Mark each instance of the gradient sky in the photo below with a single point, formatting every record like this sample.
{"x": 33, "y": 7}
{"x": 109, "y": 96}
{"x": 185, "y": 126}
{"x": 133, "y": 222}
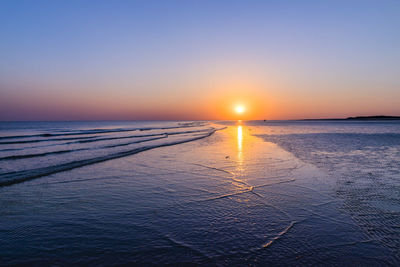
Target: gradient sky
{"x": 82, "y": 60}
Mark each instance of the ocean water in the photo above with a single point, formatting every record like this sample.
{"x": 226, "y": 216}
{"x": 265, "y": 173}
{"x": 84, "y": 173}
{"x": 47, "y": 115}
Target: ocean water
{"x": 200, "y": 193}
{"x": 32, "y": 150}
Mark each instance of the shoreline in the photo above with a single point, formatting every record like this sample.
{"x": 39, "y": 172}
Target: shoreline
{"x": 228, "y": 199}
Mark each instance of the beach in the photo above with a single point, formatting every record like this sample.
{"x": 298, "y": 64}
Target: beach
{"x": 239, "y": 196}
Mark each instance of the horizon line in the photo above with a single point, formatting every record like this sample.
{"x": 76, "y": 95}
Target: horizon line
{"x": 372, "y": 117}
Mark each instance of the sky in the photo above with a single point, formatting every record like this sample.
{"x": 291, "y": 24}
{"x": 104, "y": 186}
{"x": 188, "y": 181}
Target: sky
{"x": 198, "y": 60}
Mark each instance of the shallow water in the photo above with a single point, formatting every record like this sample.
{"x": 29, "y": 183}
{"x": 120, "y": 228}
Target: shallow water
{"x": 364, "y": 160}
{"x": 35, "y": 152}
{"x": 228, "y": 197}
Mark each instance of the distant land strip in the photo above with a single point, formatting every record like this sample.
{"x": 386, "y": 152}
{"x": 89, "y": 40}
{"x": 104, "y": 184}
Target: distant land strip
{"x": 360, "y": 118}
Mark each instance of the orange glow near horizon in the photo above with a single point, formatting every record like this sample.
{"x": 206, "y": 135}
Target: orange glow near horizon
{"x": 214, "y": 63}
{"x": 227, "y": 97}
{"x": 246, "y": 108}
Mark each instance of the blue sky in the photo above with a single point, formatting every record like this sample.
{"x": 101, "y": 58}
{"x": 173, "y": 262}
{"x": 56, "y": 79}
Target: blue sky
{"x": 163, "y": 59}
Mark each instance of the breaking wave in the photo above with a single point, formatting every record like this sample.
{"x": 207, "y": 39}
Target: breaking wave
{"x": 66, "y": 150}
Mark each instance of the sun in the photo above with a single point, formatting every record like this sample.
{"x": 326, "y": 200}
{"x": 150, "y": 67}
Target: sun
{"x": 239, "y": 109}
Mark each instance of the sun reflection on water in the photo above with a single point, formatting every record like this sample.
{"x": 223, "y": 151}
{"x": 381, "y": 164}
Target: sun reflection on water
{"x": 240, "y": 144}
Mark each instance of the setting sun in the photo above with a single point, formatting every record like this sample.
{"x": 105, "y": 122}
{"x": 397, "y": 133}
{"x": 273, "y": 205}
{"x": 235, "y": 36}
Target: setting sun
{"x": 239, "y": 109}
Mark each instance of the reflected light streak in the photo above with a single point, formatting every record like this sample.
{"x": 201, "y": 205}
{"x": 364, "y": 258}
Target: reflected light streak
{"x": 240, "y": 143}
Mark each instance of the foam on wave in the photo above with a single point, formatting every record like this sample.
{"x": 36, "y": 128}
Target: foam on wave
{"x": 13, "y": 164}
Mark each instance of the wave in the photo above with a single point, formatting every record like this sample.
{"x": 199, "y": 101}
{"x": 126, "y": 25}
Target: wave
{"x": 136, "y": 136}
{"x": 14, "y": 177}
{"x": 44, "y": 140}
{"x": 102, "y": 131}
{"x": 89, "y": 139}
{"x": 15, "y": 157}
{"x": 79, "y": 142}
{"x": 93, "y": 139}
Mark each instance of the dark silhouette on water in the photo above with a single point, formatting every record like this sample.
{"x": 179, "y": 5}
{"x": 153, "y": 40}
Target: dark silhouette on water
{"x": 360, "y": 118}
{"x": 380, "y": 117}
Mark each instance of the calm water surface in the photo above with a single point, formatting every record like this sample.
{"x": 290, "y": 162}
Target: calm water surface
{"x": 254, "y": 193}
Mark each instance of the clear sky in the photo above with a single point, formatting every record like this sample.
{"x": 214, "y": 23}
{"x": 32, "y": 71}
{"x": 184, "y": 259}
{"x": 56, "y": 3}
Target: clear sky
{"x": 69, "y": 60}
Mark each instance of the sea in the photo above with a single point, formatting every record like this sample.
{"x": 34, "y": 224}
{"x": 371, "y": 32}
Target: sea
{"x": 211, "y": 193}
